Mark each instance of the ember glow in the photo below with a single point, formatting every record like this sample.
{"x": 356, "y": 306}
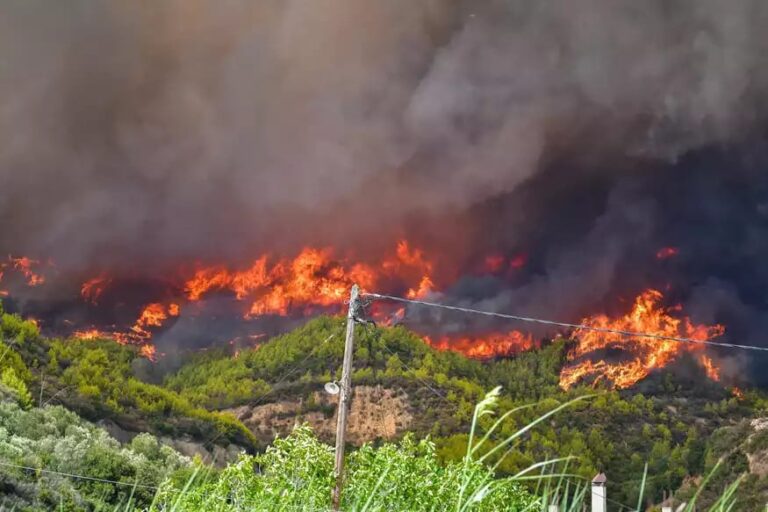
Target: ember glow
{"x": 484, "y": 347}
{"x": 641, "y": 355}
{"x": 27, "y": 267}
{"x": 667, "y": 252}
{"x": 92, "y": 289}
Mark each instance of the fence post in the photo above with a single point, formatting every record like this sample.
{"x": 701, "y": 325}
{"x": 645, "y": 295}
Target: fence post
{"x": 599, "y": 494}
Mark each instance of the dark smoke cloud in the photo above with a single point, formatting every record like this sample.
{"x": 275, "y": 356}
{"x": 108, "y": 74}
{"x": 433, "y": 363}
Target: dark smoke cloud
{"x": 157, "y": 131}
{"x": 137, "y": 135}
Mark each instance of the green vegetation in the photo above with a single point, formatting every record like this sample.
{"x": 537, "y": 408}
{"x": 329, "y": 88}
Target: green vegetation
{"x": 296, "y": 473}
{"x": 101, "y": 372}
{"x": 52, "y": 441}
{"x": 668, "y": 426}
{"x": 678, "y": 425}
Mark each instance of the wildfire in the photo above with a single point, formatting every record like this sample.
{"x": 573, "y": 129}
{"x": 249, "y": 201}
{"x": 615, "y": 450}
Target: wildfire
{"x": 425, "y": 286}
{"x": 667, "y": 252}
{"x": 148, "y": 351}
{"x": 712, "y": 371}
{"x": 153, "y": 315}
{"x": 314, "y": 278}
{"x": 25, "y": 266}
{"x": 485, "y": 347}
{"x": 648, "y": 316}
{"x": 90, "y": 334}
{"x": 496, "y": 263}
{"x": 92, "y": 289}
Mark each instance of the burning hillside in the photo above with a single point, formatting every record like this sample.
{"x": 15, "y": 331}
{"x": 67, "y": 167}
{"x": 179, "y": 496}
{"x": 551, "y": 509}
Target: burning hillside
{"x": 640, "y": 355}
{"x": 315, "y": 281}
{"x": 233, "y": 167}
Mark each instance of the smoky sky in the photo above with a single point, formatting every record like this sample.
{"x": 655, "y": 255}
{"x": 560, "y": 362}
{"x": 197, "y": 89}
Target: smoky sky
{"x": 162, "y": 131}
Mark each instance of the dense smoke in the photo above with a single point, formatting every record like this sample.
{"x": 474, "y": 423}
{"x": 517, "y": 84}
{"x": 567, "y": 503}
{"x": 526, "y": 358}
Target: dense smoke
{"x": 137, "y": 135}
{"x": 145, "y": 131}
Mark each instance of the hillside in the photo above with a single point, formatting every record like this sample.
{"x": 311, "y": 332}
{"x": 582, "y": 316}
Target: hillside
{"x": 667, "y": 420}
{"x": 217, "y": 405}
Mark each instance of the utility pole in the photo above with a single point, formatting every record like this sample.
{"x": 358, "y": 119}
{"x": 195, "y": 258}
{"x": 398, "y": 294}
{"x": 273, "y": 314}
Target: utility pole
{"x": 344, "y": 394}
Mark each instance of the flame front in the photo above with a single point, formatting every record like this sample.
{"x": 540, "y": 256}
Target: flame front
{"x": 318, "y": 280}
{"x": 314, "y": 278}
{"x": 484, "y": 347}
{"x": 647, "y": 353}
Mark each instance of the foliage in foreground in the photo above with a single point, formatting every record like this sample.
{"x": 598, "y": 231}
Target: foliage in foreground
{"x": 53, "y": 440}
{"x": 296, "y": 473}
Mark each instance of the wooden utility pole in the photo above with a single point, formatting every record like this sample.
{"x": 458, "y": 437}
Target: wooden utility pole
{"x": 344, "y": 395}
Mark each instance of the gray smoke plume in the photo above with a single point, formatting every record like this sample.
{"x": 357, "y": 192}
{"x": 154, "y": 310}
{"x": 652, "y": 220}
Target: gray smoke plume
{"x": 152, "y": 132}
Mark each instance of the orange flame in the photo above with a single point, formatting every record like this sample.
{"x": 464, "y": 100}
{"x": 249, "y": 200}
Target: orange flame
{"x": 25, "y": 266}
{"x": 153, "y": 315}
{"x": 425, "y": 286}
{"x": 312, "y": 278}
{"x": 148, "y": 351}
{"x": 648, "y": 316}
{"x": 712, "y": 371}
{"x": 91, "y": 334}
{"x": 92, "y": 289}
{"x": 484, "y": 347}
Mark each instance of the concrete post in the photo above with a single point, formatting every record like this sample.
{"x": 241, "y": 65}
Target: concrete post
{"x": 599, "y": 494}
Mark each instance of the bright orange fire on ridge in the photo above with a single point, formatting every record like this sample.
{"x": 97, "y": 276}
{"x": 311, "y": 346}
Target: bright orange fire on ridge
{"x": 316, "y": 279}
{"x": 648, "y": 316}
{"x": 312, "y": 279}
{"x": 152, "y": 316}
{"x": 276, "y": 286}
{"x": 484, "y": 347}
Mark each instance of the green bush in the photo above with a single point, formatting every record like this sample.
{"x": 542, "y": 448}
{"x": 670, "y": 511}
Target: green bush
{"x": 57, "y": 443}
{"x": 296, "y": 473}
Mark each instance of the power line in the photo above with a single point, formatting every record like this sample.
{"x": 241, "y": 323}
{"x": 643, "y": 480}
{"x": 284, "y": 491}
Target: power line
{"x": 605, "y": 330}
{"x": 82, "y": 477}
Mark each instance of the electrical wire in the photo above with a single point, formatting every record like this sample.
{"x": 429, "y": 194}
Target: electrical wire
{"x": 82, "y": 477}
{"x": 605, "y": 330}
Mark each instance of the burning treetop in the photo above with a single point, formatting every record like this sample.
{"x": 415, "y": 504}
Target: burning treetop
{"x": 317, "y": 281}
{"x": 647, "y": 316}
